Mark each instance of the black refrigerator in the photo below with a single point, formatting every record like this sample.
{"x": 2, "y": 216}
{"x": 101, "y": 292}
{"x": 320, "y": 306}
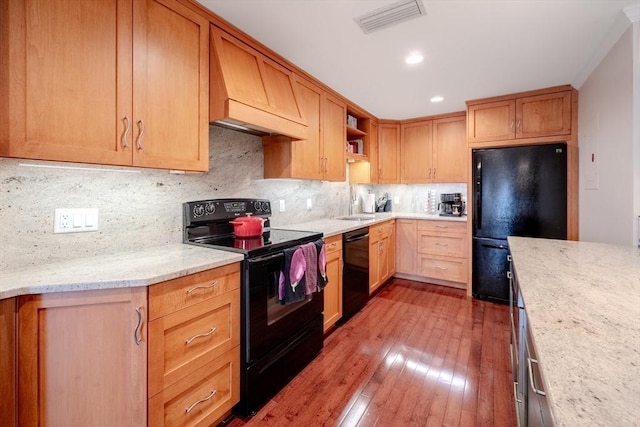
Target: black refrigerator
{"x": 517, "y": 191}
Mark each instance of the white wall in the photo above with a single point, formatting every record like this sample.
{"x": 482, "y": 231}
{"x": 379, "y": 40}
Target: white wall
{"x": 606, "y": 129}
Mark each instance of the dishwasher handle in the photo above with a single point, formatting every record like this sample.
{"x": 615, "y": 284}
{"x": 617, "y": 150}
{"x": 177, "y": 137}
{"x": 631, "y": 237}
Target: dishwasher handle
{"x": 356, "y": 238}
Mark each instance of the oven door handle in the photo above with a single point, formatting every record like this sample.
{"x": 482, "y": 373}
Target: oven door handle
{"x": 266, "y": 258}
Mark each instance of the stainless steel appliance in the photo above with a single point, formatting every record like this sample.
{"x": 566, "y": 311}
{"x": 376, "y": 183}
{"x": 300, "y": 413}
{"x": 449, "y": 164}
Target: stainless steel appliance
{"x": 355, "y": 274}
{"x": 277, "y": 341}
{"x": 451, "y": 204}
{"x": 517, "y": 191}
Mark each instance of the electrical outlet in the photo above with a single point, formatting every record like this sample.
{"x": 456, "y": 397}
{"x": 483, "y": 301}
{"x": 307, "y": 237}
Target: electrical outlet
{"x": 282, "y": 206}
{"x": 309, "y": 204}
{"x": 75, "y": 220}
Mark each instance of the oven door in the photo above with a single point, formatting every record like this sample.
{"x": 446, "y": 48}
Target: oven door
{"x": 269, "y": 324}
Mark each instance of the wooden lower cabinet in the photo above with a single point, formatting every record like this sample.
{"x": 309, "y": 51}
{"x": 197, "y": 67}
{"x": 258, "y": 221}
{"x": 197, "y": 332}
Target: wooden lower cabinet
{"x": 382, "y": 262}
{"x": 8, "y": 368}
{"x": 194, "y": 348}
{"x": 82, "y": 358}
{"x": 333, "y": 290}
{"x": 433, "y": 251}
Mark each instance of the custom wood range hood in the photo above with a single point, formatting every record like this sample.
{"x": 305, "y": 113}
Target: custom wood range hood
{"x": 249, "y": 90}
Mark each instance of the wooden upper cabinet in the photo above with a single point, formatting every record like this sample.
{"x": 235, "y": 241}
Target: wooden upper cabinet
{"x": 250, "y": 88}
{"x": 69, "y": 85}
{"x": 537, "y": 114}
{"x": 334, "y": 114}
{"x": 543, "y": 115}
{"x": 306, "y": 162}
{"x": 170, "y": 86}
{"x": 450, "y": 152}
{"x": 87, "y": 85}
{"x": 493, "y": 121}
{"x": 415, "y": 152}
{"x": 388, "y": 153}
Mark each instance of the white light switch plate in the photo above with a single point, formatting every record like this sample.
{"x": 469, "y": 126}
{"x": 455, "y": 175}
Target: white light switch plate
{"x": 75, "y": 220}
{"x": 281, "y": 205}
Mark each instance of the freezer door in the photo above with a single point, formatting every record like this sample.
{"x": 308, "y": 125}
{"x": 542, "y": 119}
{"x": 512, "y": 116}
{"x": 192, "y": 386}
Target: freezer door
{"x": 490, "y": 266}
{"x": 520, "y": 191}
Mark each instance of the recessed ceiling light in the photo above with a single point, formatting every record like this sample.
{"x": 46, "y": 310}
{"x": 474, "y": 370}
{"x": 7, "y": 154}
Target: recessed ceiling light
{"x": 437, "y": 99}
{"x": 414, "y": 58}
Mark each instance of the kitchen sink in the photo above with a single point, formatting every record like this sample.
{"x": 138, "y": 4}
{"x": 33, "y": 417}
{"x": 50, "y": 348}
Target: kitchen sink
{"x": 357, "y": 217}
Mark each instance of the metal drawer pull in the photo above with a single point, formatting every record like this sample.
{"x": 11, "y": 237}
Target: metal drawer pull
{"x": 194, "y": 404}
{"x": 441, "y": 244}
{"x": 137, "y": 333}
{"x": 195, "y": 288}
{"x": 441, "y": 226}
{"x": 533, "y": 381}
{"x": 441, "y": 268}
{"x": 139, "y": 140}
{"x": 515, "y": 393}
{"x": 206, "y": 334}
{"x": 125, "y": 135}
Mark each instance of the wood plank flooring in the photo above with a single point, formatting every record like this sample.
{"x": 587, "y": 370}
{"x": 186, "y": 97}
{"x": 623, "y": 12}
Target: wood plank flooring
{"x": 416, "y": 355}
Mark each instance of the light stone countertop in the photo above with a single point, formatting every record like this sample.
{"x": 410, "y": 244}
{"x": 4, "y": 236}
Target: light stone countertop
{"x": 334, "y": 226}
{"x": 583, "y": 304}
{"x": 125, "y": 269}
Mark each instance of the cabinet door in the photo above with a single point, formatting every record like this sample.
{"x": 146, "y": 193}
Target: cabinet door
{"x": 373, "y": 152}
{"x": 415, "y": 152}
{"x": 170, "y": 86}
{"x": 306, "y": 158}
{"x": 391, "y": 257}
{"x": 8, "y": 362}
{"x": 450, "y": 152}
{"x": 388, "y": 153}
{"x": 68, "y": 93}
{"x": 492, "y": 121}
{"x": 334, "y": 115}
{"x": 82, "y": 358}
{"x": 374, "y": 264}
{"x": 333, "y": 290}
{"x": 406, "y": 246}
{"x": 543, "y": 115}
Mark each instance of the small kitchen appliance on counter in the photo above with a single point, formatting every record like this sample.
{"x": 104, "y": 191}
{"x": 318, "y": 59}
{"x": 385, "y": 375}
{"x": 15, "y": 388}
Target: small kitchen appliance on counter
{"x": 451, "y": 204}
{"x": 277, "y": 341}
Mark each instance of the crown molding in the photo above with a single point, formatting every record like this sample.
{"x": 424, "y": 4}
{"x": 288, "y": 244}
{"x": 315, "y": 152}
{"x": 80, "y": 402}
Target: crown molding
{"x": 633, "y": 13}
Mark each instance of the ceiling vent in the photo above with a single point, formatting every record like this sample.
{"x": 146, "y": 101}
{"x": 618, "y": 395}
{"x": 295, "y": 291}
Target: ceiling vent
{"x": 392, "y": 14}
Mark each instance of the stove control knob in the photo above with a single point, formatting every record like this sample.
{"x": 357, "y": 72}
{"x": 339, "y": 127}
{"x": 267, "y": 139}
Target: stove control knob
{"x": 265, "y": 207}
{"x": 209, "y": 208}
{"x": 198, "y": 210}
{"x": 257, "y": 206}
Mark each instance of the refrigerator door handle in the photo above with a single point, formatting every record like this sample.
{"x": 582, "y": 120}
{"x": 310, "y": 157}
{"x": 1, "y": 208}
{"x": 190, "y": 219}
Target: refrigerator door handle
{"x": 478, "y": 205}
{"x": 495, "y": 246}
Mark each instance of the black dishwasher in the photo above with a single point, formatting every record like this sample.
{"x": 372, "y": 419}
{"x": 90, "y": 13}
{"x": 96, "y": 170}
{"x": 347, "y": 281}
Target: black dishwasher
{"x": 355, "y": 275}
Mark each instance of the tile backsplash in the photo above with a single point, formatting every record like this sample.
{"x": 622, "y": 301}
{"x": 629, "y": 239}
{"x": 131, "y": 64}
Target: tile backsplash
{"x": 140, "y": 208}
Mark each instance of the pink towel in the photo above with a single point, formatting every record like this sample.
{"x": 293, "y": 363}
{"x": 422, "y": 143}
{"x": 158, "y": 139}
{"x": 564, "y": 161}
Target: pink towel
{"x": 311, "y": 271}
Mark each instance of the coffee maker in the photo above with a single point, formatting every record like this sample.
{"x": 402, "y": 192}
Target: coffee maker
{"x": 451, "y": 204}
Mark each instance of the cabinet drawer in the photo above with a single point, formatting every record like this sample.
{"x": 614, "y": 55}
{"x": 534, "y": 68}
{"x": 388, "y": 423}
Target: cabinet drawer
{"x": 381, "y": 231}
{"x": 454, "y": 227}
{"x": 333, "y": 244}
{"x": 451, "y": 269}
{"x": 176, "y": 294}
{"x": 446, "y": 245}
{"x": 209, "y": 393}
{"x": 184, "y": 341}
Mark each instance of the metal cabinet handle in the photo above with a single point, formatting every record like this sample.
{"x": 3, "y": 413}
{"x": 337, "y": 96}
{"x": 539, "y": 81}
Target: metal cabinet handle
{"x": 195, "y": 337}
{"x": 195, "y": 288}
{"x": 442, "y": 244}
{"x": 518, "y": 125}
{"x": 441, "y": 268}
{"x": 434, "y": 173}
{"x": 196, "y": 403}
{"x": 515, "y": 393}
{"x": 441, "y": 226}
{"x": 137, "y": 333}
{"x": 140, "y": 135}
{"x": 513, "y": 122}
{"x": 533, "y": 381}
{"x": 125, "y": 135}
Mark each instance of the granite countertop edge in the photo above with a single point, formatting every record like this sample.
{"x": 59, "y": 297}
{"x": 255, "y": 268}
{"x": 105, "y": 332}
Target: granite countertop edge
{"x": 120, "y": 270}
{"x": 333, "y": 226}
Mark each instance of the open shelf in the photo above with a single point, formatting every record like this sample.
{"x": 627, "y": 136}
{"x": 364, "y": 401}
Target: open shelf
{"x": 354, "y": 133}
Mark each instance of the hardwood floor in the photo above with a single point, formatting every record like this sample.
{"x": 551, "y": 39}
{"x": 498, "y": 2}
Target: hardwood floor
{"x": 416, "y": 355}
